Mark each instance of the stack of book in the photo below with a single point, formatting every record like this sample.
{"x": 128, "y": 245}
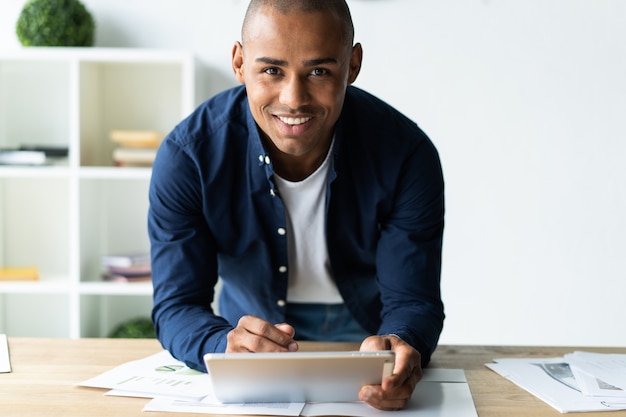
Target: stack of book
{"x": 127, "y": 267}
{"x": 19, "y": 274}
{"x": 33, "y": 155}
{"x": 135, "y": 148}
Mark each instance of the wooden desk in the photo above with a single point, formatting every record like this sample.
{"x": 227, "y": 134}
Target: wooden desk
{"x": 46, "y": 371}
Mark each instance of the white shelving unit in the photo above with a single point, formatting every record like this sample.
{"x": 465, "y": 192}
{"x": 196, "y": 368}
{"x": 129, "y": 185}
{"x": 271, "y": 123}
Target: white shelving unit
{"x": 62, "y": 219}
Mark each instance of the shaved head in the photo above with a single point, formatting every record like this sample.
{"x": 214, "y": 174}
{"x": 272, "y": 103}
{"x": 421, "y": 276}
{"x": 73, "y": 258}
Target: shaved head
{"x": 337, "y": 8}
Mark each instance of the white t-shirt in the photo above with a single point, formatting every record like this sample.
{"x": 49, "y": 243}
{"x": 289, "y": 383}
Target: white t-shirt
{"x": 310, "y": 280}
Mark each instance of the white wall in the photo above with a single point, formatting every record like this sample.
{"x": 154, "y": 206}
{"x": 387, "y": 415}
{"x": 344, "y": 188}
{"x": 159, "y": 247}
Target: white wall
{"x": 525, "y": 100}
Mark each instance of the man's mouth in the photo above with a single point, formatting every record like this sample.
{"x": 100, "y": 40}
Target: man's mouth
{"x": 293, "y": 121}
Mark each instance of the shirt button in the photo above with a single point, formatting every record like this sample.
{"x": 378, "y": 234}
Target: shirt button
{"x": 282, "y": 269}
{"x": 273, "y": 192}
{"x": 281, "y": 303}
{"x": 281, "y": 231}
{"x": 261, "y": 158}
{"x": 267, "y": 160}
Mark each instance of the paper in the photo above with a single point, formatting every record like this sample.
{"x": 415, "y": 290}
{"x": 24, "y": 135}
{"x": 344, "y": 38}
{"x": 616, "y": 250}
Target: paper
{"x": 5, "y": 363}
{"x": 553, "y": 381}
{"x": 156, "y": 375}
{"x": 442, "y": 392}
{"x": 430, "y": 399}
{"x": 174, "y": 387}
{"x": 209, "y": 407}
{"x": 610, "y": 369}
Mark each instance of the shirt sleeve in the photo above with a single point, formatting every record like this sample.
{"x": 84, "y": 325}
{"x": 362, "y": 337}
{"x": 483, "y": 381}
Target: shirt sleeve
{"x": 184, "y": 260}
{"x": 408, "y": 256}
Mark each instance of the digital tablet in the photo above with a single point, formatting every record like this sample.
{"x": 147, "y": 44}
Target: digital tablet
{"x": 295, "y": 376}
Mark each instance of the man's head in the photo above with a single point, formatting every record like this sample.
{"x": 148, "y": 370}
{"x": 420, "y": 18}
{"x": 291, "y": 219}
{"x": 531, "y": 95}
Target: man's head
{"x": 296, "y": 60}
{"x": 338, "y": 8}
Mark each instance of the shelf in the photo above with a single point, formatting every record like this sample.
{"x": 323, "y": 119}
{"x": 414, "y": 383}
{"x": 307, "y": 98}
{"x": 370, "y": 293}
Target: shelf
{"x": 57, "y": 286}
{"x": 44, "y": 172}
{"x": 63, "y": 218}
{"x": 116, "y": 288}
{"x": 115, "y": 173}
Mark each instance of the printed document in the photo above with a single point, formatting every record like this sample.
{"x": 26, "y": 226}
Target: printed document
{"x": 564, "y": 386}
{"x": 442, "y": 392}
{"x": 173, "y": 387}
{"x": 5, "y": 363}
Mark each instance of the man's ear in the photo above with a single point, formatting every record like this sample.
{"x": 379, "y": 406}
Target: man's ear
{"x": 237, "y": 61}
{"x": 355, "y": 62}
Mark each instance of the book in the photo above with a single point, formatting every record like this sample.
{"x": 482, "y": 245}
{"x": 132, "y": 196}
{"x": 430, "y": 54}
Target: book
{"x": 130, "y": 271}
{"x": 126, "y": 260}
{"x": 19, "y": 274}
{"x": 135, "y": 157}
{"x": 51, "y": 151}
{"x": 123, "y": 278}
{"x": 18, "y": 157}
{"x": 146, "y": 139}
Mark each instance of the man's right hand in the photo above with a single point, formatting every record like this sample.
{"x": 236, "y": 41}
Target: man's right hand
{"x": 254, "y": 334}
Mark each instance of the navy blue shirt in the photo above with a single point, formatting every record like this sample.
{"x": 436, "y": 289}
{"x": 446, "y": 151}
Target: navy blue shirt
{"x": 216, "y": 211}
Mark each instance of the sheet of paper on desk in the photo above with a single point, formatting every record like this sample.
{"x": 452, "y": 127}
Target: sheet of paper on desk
{"x": 208, "y": 406}
{"x": 5, "y": 363}
{"x": 610, "y": 368}
{"x": 551, "y": 380}
{"x": 442, "y": 392}
{"x": 156, "y": 375}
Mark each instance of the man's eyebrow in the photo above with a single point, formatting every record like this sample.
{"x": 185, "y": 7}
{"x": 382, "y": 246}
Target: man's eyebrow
{"x": 319, "y": 61}
{"x": 271, "y": 61}
{"x": 307, "y": 63}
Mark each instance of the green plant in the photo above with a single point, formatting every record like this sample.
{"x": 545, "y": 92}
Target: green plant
{"x": 55, "y": 23}
{"x": 139, "y": 328}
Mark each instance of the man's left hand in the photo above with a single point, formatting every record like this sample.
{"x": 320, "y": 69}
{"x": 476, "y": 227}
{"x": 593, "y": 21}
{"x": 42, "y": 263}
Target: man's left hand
{"x": 396, "y": 390}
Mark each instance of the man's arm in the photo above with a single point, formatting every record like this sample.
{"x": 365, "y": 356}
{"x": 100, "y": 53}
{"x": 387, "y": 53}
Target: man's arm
{"x": 408, "y": 256}
{"x": 184, "y": 261}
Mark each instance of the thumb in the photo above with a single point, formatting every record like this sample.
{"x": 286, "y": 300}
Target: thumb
{"x": 286, "y": 328}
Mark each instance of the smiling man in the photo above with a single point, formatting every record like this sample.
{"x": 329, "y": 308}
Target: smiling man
{"x": 320, "y": 207}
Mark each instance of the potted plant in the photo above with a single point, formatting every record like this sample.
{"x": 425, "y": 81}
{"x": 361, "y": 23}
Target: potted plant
{"x": 55, "y": 23}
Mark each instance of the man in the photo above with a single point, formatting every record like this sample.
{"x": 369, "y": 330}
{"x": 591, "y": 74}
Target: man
{"x": 318, "y": 205}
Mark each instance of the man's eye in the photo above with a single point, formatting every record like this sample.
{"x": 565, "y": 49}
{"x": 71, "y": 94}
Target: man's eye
{"x": 271, "y": 71}
{"x": 319, "y": 71}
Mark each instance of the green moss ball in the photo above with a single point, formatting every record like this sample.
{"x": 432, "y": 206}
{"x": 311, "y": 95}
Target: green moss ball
{"x": 55, "y": 23}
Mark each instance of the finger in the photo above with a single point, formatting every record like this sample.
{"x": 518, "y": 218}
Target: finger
{"x": 377, "y": 398}
{"x": 373, "y": 343}
{"x": 254, "y": 334}
{"x": 286, "y": 328}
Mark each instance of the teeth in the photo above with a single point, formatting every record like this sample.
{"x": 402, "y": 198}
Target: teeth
{"x": 294, "y": 120}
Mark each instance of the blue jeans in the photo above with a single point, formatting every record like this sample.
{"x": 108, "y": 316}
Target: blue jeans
{"x": 324, "y": 322}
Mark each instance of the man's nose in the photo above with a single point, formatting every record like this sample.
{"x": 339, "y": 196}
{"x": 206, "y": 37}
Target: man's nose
{"x": 295, "y": 93}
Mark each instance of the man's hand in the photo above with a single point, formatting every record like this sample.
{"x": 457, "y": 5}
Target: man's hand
{"x": 254, "y": 334}
{"x": 395, "y": 390}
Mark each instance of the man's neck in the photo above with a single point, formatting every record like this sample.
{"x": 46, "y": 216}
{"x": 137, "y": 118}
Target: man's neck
{"x": 296, "y": 168}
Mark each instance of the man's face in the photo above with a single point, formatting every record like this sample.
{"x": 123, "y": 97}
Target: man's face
{"x": 296, "y": 68}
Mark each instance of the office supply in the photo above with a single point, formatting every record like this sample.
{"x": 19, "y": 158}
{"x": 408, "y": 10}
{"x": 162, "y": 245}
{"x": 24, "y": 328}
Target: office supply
{"x": 552, "y": 380}
{"x": 295, "y": 376}
{"x": 442, "y": 392}
{"x": 46, "y": 371}
{"x": 5, "y": 362}
{"x": 158, "y": 374}
{"x": 610, "y": 368}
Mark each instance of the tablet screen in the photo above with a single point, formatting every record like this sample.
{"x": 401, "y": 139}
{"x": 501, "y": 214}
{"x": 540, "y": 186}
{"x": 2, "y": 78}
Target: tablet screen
{"x": 295, "y": 376}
